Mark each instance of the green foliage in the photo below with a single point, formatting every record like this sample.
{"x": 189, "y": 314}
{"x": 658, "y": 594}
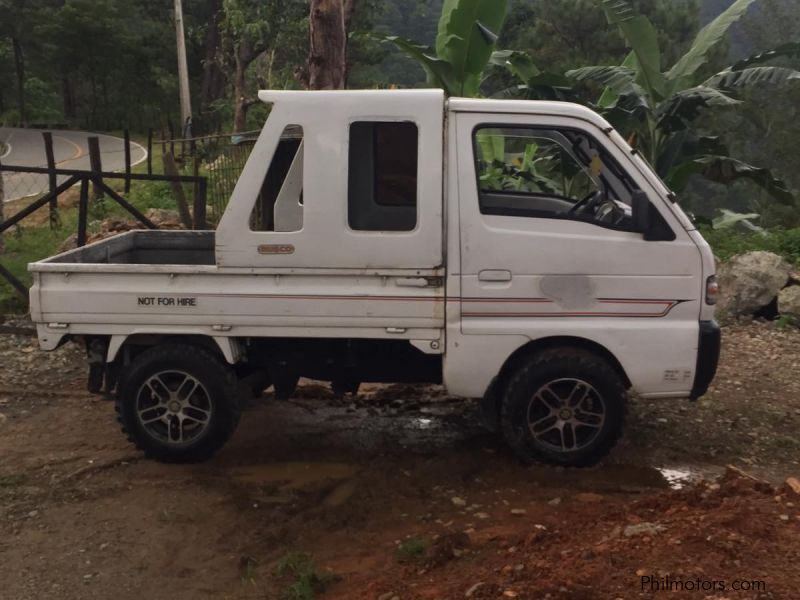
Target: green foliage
{"x": 788, "y": 322}
{"x": 411, "y": 549}
{"x": 729, "y": 242}
{"x": 12, "y": 480}
{"x": 465, "y": 40}
{"x": 660, "y": 115}
{"x": 307, "y": 582}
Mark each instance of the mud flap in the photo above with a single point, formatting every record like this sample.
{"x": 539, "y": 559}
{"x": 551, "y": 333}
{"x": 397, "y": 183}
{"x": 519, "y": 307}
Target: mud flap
{"x": 490, "y": 407}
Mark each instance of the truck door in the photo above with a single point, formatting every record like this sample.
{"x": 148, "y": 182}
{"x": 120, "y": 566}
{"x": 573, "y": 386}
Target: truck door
{"x": 548, "y": 247}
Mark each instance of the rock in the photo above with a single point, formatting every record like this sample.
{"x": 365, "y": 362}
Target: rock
{"x": 471, "y": 591}
{"x": 789, "y": 301}
{"x": 518, "y": 511}
{"x": 793, "y": 484}
{"x": 458, "y": 501}
{"x": 588, "y": 497}
{"x": 482, "y": 515}
{"x": 3, "y": 419}
{"x": 163, "y": 218}
{"x": 643, "y": 529}
{"x": 750, "y": 281}
{"x": 555, "y": 502}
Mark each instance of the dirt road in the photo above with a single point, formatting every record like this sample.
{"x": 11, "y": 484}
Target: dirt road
{"x": 399, "y": 494}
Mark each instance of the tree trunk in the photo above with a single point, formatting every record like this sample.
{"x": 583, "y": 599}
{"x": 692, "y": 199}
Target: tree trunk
{"x": 241, "y": 104}
{"x": 213, "y": 85}
{"x": 19, "y": 65}
{"x": 67, "y": 97}
{"x": 327, "y": 59}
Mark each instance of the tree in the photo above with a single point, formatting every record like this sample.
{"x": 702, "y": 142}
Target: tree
{"x": 17, "y": 27}
{"x": 659, "y": 110}
{"x": 765, "y": 127}
{"x": 465, "y": 40}
{"x": 329, "y": 24}
{"x": 565, "y": 34}
{"x": 251, "y": 29}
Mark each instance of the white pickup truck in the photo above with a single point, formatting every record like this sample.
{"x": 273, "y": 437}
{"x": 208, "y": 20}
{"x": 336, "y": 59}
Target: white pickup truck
{"x": 520, "y": 252}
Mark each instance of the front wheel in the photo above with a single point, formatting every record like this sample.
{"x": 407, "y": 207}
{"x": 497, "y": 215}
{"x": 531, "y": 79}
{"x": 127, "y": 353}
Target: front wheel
{"x": 177, "y": 403}
{"x": 564, "y": 406}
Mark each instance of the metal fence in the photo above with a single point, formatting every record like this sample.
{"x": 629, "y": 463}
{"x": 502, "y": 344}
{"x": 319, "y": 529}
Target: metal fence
{"x": 219, "y": 158}
{"x": 49, "y": 182}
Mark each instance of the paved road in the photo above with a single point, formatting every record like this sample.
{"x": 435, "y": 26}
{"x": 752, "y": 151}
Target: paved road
{"x": 25, "y": 147}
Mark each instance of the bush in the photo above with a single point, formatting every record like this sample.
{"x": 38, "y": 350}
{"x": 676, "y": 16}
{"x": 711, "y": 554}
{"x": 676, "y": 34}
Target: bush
{"x": 727, "y": 243}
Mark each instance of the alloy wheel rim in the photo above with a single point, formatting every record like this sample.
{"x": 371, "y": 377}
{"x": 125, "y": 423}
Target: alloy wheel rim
{"x": 566, "y": 415}
{"x": 173, "y": 407}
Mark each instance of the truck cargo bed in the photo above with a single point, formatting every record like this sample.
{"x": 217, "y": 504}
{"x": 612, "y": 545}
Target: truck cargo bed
{"x": 145, "y": 248}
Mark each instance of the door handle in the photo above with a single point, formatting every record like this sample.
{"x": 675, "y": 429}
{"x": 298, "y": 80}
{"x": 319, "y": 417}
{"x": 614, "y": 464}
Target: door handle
{"x": 494, "y": 275}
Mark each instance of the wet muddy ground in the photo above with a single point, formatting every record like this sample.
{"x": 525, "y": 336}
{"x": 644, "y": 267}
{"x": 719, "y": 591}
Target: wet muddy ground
{"x": 399, "y": 494}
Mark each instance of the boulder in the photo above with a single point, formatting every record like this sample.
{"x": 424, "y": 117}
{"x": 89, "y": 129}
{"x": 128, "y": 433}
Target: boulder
{"x": 750, "y": 281}
{"x": 789, "y": 301}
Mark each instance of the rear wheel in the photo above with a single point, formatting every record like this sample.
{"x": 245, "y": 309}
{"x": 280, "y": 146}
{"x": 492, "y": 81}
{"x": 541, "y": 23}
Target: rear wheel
{"x": 565, "y": 406}
{"x": 177, "y": 403}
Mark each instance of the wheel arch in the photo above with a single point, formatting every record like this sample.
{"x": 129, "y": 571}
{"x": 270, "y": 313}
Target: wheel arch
{"x": 230, "y": 349}
{"x": 548, "y": 343}
{"x": 490, "y": 403}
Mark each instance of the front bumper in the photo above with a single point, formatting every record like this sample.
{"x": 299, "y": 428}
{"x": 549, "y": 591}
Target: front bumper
{"x": 707, "y": 357}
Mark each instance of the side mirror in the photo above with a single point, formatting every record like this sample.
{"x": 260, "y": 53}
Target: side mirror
{"x": 648, "y": 221}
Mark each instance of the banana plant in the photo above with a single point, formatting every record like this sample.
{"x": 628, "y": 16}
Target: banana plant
{"x": 658, "y": 108}
{"x": 465, "y": 41}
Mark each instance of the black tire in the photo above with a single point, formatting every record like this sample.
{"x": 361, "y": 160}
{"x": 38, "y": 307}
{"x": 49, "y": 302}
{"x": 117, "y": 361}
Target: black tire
{"x": 550, "y": 406}
{"x": 152, "y": 387}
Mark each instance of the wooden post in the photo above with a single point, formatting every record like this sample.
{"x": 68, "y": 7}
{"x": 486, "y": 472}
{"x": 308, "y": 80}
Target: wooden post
{"x": 51, "y": 165}
{"x": 83, "y": 211}
{"x": 96, "y": 164}
{"x": 200, "y": 205}
{"x": 150, "y": 151}
{"x": 127, "y": 138}
{"x": 171, "y": 169}
{"x": 196, "y": 190}
{"x": 171, "y": 136}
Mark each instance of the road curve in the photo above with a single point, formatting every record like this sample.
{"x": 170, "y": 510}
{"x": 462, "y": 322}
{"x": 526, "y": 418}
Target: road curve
{"x": 25, "y": 147}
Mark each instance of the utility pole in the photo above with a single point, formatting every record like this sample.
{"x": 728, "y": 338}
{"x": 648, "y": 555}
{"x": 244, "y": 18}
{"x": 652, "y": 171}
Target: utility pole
{"x": 183, "y": 74}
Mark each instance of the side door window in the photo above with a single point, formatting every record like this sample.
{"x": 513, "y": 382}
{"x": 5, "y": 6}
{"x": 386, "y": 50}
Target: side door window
{"x": 549, "y": 173}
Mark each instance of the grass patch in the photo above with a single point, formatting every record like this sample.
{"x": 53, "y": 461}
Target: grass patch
{"x": 12, "y": 480}
{"x": 411, "y": 549}
{"x": 727, "y": 243}
{"x": 307, "y": 582}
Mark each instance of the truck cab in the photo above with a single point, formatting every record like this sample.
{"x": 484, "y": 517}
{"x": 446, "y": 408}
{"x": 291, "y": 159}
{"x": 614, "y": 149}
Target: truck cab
{"x": 519, "y": 252}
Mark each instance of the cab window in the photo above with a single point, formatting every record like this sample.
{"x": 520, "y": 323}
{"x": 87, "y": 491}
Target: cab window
{"x": 550, "y": 173}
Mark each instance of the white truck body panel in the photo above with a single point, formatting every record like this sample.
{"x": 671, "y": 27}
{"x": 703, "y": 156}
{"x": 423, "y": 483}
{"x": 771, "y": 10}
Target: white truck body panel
{"x": 475, "y": 287}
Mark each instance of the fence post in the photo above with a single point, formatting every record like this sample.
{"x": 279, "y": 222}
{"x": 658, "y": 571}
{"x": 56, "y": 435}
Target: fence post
{"x": 51, "y": 165}
{"x": 200, "y": 204}
{"x": 171, "y": 169}
{"x": 83, "y": 211}
{"x": 127, "y": 137}
{"x": 171, "y": 137}
{"x": 150, "y": 151}
{"x": 95, "y": 165}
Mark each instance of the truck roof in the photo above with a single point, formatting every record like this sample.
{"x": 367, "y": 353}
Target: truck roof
{"x": 317, "y": 100}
